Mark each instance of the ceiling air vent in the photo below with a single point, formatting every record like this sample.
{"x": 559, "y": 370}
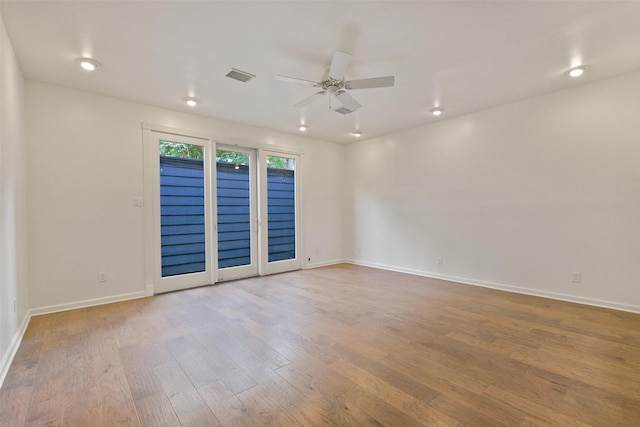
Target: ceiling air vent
{"x": 343, "y": 110}
{"x": 240, "y": 75}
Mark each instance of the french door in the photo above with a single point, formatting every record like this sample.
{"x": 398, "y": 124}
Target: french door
{"x": 179, "y": 211}
{"x": 216, "y": 213}
{"x": 279, "y": 213}
{"x": 257, "y": 213}
{"x": 237, "y": 212}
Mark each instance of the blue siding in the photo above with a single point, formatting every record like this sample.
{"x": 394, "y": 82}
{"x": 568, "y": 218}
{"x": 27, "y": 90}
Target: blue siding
{"x": 281, "y": 214}
{"x": 234, "y": 220}
{"x": 183, "y": 221}
{"x": 182, "y": 227}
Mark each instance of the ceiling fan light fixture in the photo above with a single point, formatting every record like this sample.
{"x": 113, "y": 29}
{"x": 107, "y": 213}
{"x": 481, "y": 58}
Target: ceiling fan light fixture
{"x": 336, "y": 86}
{"x": 303, "y": 128}
{"x": 576, "y": 71}
{"x": 191, "y": 102}
{"x": 357, "y": 134}
{"x": 87, "y": 64}
{"x": 437, "y": 111}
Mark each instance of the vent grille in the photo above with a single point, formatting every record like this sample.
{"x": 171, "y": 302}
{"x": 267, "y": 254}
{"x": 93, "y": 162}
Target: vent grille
{"x": 343, "y": 110}
{"x": 241, "y": 76}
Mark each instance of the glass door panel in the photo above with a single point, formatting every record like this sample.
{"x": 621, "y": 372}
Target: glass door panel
{"x": 281, "y": 208}
{"x": 279, "y": 213}
{"x": 236, "y": 217}
{"x": 182, "y": 209}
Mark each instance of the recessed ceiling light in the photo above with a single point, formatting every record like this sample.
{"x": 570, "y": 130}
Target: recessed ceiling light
{"x": 357, "y": 134}
{"x": 303, "y": 127}
{"x": 87, "y": 63}
{"x": 191, "y": 102}
{"x": 576, "y": 71}
{"x": 436, "y": 111}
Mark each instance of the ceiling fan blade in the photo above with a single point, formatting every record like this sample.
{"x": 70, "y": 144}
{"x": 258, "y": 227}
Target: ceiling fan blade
{"x": 386, "y": 81}
{"x": 339, "y": 64}
{"x": 310, "y": 99}
{"x": 347, "y": 100}
{"x": 298, "y": 81}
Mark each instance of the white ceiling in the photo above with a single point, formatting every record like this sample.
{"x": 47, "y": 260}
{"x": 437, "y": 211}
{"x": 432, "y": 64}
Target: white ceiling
{"x": 465, "y": 56}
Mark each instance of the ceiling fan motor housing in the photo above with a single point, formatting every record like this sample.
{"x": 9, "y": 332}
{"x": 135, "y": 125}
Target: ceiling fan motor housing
{"x": 332, "y": 85}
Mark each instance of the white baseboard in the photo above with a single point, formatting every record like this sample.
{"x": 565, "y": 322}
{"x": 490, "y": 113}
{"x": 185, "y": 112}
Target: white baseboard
{"x": 8, "y": 356}
{"x": 86, "y": 303}
{"x": 510, "y": 288}
{"x": 324, "y": 264}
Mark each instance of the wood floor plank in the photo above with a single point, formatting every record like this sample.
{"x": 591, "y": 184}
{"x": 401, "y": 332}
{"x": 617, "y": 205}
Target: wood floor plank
{"x": 392, "y": 377}
{"x": 322, "y": 389}
{"x": 308, "y": 414}
{"x": 278, "y": 388}
{"x": 156, "y": 410}
{"x": 82, "y": 407}
{"x": 370, "y": 409}
{"x": 560, "y": 415}
{"x": 14, "y": 402}
{"x": 421, "y": 366}
{"x": 26, "y": 364}
{"x": 187, "y": 403}
{"x": 262, "y": 408}
{"x": 224, "y": 365}
{"x": 224, "y": 404}
{"x": 395, "y": 397}
{"x": 142, "y": 381}
{"x": 335, "y": 346}
{"x": 192, "y": 358}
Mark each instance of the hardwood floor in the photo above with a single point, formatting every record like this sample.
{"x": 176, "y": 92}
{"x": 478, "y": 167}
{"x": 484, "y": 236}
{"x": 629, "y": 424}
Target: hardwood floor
{"x": 335, "y": 346}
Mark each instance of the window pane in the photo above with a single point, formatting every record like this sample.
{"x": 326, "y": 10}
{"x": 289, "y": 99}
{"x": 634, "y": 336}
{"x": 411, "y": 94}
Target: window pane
{"x": 182, "y": 214}
{"x": 234, "y": 208}
{"x": 281, "y": 208}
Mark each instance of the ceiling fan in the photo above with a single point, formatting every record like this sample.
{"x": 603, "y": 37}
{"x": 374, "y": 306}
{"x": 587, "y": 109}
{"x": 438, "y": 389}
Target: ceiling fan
{"x": 336, "y": 87}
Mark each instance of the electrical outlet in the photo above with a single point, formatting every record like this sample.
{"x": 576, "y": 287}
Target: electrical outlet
{"x": 576, "y": 277}
{"x": 138, "y": 202}
{"x": 439, "y": 261}
{"x": 102, "y": 277}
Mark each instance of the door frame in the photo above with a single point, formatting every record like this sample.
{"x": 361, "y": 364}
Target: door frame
{"x": 151, "y": 214}
{"x": 154, "y": 282}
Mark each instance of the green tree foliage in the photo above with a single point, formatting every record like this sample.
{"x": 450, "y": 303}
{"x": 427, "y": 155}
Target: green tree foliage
{"x": 242, "y": 159}
{"x": 189, "y": 151}
{"x": 279, "y": 162}
{"x": 185, "y": 151}
{"x": 234, "y": 157}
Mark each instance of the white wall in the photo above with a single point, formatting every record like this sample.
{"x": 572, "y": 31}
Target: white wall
{"x": 85, "y": 168}
{"x": 517, "y": 197}
{"x": 13, "y": 255}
